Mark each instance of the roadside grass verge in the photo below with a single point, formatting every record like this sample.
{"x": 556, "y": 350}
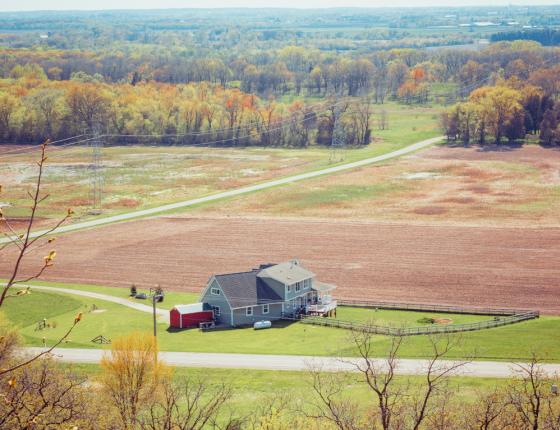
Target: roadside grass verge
{"x": 261, "y": 386}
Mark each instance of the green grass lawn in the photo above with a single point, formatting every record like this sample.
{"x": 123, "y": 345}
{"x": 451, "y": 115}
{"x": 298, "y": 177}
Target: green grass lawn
{"x": 515, "y": 342}
{"x": 256, "y": 386}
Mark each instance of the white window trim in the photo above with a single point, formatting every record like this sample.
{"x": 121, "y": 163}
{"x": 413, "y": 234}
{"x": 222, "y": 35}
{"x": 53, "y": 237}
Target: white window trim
{"x": 215, "y": 291}
{"x": 265, "y": 309}
{"x": 298, "y": 287}
{"x": 249, "y": 311}
{"x": 217, "y": 311}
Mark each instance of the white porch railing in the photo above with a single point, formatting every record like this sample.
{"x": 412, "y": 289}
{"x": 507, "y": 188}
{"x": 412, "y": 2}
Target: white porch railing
{"x": 321, "y": 308}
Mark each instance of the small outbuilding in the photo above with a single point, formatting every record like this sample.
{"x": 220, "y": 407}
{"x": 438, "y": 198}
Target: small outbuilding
{"x": 188, "y": 316}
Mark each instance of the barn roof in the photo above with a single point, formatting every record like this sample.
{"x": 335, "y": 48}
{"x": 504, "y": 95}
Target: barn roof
{"x": 246, "y": 289}
{"x": 191, "y": 308}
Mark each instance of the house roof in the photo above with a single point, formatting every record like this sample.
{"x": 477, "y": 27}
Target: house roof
{"x": 323, "y": 287}
{"x": 246, "y": 289}
{"x": 286, "y": 273}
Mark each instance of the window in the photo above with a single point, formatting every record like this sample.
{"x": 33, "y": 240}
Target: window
{"x": 265, "y": 309}
{"x": 249, "y": 311}
{"x": 215, "y": 291}
{"x": 289, "y": 287}
{"x": 298, "y": 286}
{"x": 216, "y": 310}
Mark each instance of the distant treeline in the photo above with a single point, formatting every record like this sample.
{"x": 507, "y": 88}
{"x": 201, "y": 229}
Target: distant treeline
{"x": 33, "y": 108}
{"x": 546, "y": 37}
{"x": 403, "y": 74}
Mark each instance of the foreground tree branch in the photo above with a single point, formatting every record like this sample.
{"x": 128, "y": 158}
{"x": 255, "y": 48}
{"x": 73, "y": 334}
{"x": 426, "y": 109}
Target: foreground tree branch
{"x": 25, "y": 244}
{"x": 24, "y": 241}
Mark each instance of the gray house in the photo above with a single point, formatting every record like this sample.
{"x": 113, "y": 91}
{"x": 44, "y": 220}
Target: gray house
{"x": 270, "y": 292}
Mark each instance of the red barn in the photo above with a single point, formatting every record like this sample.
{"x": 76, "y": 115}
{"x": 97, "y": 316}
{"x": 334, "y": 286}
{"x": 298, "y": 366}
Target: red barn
{"x": 186, "y": 316}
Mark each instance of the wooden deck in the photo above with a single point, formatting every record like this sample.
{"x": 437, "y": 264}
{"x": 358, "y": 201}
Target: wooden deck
{"x": 320, "y": 309}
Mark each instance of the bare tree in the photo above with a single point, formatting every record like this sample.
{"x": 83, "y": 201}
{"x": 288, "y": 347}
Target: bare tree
{"x": 435, "y": 378}
{"x": 532, "y": 399}
{"x": 487, "y": 412}
{"x": 42, "y": 396}
{"x": 362, "y": 113}
{"x": 187, "y": 405}
{"x": 332, "y": 407}
{"x": 380, "y": 376}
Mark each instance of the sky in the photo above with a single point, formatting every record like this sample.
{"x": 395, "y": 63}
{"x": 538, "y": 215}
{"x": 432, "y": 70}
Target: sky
{"x": 26, "y": 5}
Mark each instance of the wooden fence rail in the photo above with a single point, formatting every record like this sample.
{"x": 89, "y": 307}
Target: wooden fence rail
{"x": 430, "y": 308}
{"x": 501, "y": 317}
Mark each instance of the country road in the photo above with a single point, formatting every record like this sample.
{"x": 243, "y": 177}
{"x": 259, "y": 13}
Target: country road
{"x": 163, "y": 314}
{"x": 481, "y": 369}
{"x": 239, "y": 191}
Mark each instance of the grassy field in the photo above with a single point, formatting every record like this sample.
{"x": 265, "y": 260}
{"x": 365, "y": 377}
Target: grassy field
{"x": 441, "y": 185}
{"x": 258, "y": 386}
{"x": 137, "y": 177}
{"x": 516, "y": 342}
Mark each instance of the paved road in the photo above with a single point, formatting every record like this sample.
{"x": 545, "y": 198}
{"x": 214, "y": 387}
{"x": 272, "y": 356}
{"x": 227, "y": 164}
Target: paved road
{"x": 240, "y": 191}
{"x": 163, "y": 314}
{"x": 483, "y": 369}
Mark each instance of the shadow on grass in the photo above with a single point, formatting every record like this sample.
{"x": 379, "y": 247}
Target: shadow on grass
{"x": 279, "y": 324}
{"x": 494, "y": 147}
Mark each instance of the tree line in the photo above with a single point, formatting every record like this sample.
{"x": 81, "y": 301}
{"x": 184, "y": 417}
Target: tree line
{"x": 509, "y": 110}
{"x": 545, "y": 36}
{"x": 34, "y": 108}
{"x": 297, "y": 70}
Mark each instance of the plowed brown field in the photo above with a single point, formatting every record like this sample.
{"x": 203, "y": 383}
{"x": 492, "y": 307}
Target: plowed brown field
{"x": 498, "y": 267}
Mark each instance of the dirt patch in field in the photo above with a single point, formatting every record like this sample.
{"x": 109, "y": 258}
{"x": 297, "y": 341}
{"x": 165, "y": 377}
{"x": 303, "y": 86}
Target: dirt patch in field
{"x": 126, "y": 203}
{"x": 458, "y": 200}
{"x": 529, "y": 153}
{"x": 430, "y": 210}
{"x": 442, "y": 185}
{"x": 19, "y": 224}
{"x": 478, "y": 189}
{"x": 477, "y": 266}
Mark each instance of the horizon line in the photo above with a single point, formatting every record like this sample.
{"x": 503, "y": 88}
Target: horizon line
{"x": 116, "y": 9}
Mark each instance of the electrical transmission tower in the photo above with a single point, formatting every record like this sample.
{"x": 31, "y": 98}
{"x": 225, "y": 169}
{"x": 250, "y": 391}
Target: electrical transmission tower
{"x": 338, "y": 140}
{"x": 96, "y": 175}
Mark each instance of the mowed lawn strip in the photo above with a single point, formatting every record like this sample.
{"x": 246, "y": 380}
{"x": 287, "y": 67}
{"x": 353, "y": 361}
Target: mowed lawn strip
{"x": 258, "y": 386}
{"x": 515, "y": 342}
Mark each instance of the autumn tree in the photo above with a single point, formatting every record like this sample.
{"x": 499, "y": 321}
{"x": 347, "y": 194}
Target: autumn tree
{"x": 499, "y": 106}
{"x": 131, "y": 374}
{"x": 8, "y": 107}
{"x": 88, "y": 105}
{"x": 550, "y": 126}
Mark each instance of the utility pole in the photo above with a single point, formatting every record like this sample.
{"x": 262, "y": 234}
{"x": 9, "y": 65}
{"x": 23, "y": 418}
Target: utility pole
{"x": 338, "y": 139}
{"x": 96, "y": 175}
{"x": 155, "y": 299}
